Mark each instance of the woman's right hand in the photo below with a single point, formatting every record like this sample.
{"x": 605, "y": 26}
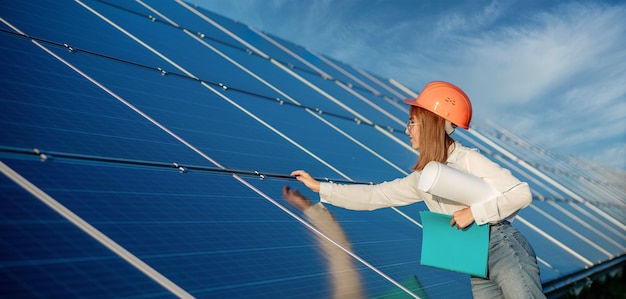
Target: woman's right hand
{"x": 307, "y": 180}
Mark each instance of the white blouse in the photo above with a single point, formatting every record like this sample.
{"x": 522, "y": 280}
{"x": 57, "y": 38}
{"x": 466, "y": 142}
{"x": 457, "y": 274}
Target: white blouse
{"x": 514, "y": 196}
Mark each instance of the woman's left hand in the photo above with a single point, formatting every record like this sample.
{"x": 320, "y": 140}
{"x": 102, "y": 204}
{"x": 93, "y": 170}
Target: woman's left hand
{"x": 462, "y": 218}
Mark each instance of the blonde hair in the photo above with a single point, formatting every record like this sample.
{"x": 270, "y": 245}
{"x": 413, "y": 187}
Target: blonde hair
{"x": 434, "y": 142}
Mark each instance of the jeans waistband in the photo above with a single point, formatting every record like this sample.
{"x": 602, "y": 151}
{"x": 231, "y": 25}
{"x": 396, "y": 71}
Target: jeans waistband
{"x": 503, "y": 222}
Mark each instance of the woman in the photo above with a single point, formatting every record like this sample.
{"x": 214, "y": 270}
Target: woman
{"x": 434, "y": 114}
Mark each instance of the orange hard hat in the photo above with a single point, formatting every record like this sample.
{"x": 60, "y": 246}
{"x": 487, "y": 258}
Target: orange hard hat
{"x": 446, "y": 100}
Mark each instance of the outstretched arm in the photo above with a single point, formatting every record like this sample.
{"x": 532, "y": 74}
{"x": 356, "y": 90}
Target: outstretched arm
{"x": 398, "y": 192}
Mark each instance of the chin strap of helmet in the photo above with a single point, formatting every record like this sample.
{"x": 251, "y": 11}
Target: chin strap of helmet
{"x": 449, "y": 127}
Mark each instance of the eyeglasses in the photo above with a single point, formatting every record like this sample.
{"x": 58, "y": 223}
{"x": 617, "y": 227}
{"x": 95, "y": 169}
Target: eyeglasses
{"x": 410, "y": 125}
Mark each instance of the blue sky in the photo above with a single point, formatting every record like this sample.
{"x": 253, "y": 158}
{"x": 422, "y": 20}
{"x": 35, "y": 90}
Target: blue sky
{"x": 553, "y": 72}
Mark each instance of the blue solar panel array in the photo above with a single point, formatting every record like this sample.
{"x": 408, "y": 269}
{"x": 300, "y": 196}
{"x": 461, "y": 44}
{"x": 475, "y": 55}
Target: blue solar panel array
{"x": 144, "y": 146}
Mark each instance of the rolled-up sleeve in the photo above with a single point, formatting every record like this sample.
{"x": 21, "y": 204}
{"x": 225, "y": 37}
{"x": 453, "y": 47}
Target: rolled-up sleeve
{"x": 399, "y": 192}
{"x": 514, "y": 194}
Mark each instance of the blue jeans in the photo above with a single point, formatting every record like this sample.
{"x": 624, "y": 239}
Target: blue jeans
{"x": 512, "y": 267}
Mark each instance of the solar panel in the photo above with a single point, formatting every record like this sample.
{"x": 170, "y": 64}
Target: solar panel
{"x": 144, "y": 147}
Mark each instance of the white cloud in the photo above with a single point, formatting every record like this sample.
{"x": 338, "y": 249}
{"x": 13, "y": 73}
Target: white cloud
{"x": 557, "y": 79}
{"x": 461, "y": 21}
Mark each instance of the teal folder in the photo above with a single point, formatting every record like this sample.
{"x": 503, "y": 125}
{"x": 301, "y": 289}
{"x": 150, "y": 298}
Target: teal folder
{"x": 460, "y": 250}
